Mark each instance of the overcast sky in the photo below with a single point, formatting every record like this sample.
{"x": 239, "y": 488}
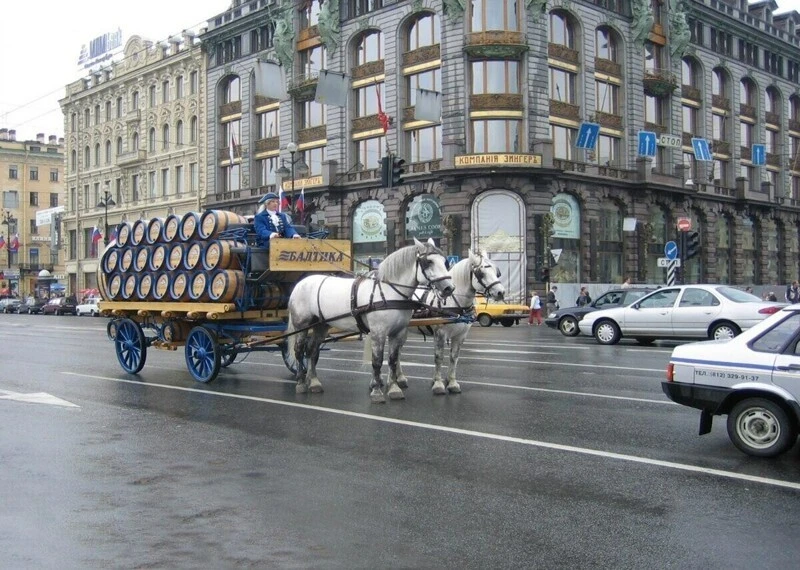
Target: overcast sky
{"x": 41, "y": 41}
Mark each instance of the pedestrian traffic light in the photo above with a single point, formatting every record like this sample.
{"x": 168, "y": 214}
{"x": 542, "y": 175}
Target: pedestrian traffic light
{"x": 386, "y": 168}
{"x": 545, "y": 274}
{"x": 692, "y": 245}
{"x": 397, "y": 171}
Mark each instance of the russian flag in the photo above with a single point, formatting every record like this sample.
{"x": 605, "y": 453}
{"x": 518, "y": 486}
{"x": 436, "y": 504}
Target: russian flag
{"x": 96, "y": 235}
{"x": 300, "y": 203}
{"x": 13, "y": 245}
{"x": 284, "y": 201}
{"x": 113, "y": 236}
{"x": 2, "y": 241}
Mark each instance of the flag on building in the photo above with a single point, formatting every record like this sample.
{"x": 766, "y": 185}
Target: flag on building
{"x": 96, "y": 235}
{"x": 283, "y": 201}
{"x": 2, "y": 241}
{"x": 13, "y": 244}
{"x": 232, "y": 147}
{"x": 332, "y": 88}
{"x": 113, "y": 236}
{"x": 300, "y": 203}
{"x": 382, "y": 117}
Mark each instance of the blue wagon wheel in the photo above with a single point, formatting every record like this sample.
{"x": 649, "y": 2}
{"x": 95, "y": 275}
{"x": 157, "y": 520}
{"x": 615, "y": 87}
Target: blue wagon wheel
{"x": 111, "y": 329}
{"x": 202, "y": 354}
{"x": 131, "y": 346}
{"x": 291, "y": 366}
{"x": 227, "y": 358}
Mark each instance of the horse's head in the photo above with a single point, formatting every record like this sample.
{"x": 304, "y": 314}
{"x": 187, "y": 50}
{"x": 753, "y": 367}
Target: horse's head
{"x": 486, "y": 276}
{"x": 432, "y": 268}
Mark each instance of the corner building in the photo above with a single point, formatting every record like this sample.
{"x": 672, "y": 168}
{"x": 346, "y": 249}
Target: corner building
{"x": 502, "y": 170}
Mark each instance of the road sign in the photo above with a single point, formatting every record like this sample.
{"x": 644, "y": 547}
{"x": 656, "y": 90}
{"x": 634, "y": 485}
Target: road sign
{"x": 647, "y": 143}
{"x": 684, "y": 224}
{"x": 44, "y": 217}
{"x": 452, "y": 260}
{"x": 671, "y": 250}
{"x": 664, "y": 262}
{"x": 702, "y": 151}
{"x": 587, "y": 136}
{"x": 556, "y": 253}
{"x": 759, "y": 155}
{"x": 672, "y": 141}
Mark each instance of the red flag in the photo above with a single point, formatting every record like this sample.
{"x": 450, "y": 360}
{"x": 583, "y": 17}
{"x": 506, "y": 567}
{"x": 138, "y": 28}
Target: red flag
{"x": 2, "y": 241}
{"x": 300, "y": 203}
{"x": 382, "y": 117}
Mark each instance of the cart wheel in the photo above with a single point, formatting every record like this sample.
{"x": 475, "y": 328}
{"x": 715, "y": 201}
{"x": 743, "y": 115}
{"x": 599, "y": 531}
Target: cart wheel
{"x": 292, "y": 368}
{"x": 202, "y": 354}
{"x": 111, "y": 329}
{"x": 130, "y": 344}
{"x": 227, "y": 358}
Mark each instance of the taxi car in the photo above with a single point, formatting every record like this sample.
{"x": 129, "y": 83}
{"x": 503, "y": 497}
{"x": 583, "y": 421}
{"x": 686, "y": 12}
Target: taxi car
{"x": 754, "y": 379}
{"x": 507, "y": 314}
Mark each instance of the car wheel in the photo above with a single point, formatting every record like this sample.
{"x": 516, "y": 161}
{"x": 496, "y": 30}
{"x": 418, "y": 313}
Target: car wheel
{"x": 485, "y": 320}
{"x": 645, "y": 341}
{"x": 507, "y": 322}
{"x": 761, "y": 428}
{"x": 723, "y": 331}
{"x": 569, "y": 326}
{"x": 607, "y": 332}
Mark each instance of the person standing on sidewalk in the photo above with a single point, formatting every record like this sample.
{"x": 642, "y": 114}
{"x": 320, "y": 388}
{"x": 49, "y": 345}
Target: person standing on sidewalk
{"x": 552, "y": 302}
{"x": 536, "y": 309}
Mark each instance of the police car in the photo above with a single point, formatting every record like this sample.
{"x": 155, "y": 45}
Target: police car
{"x": 753, "y": 378}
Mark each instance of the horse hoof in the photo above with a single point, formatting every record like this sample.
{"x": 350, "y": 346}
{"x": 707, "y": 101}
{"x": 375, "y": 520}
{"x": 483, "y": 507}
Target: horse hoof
{"x": 301, "y": 389}
{"x": 377, "y": 397}
{"x": 438, "y": 388}
{"x": 395, "y": 393}
{"x": 454, "y": 388}
{"x": 402, "y": 382}
{"x": 315, "y": 386}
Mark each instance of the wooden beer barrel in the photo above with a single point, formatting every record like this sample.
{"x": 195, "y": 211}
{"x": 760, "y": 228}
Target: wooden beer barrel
{"x": 212, "y": 222}
{"x": 226, "y": 285}
{"x": 272, "y": 296}
{"x": 179, "y": 286}
{"x": 126, "y": 260}
{"x": 102, "y": 286}
{"x": 161, "y": 287}
{"x": 198, "y": 286}
{"x": 188, "y": 227}
{"x": 172, "y": 224}
{"x": 193, "y": 255}
{"x": 123, "y": 234}
{"x": 175, "y": 331}
{"x": 155, "y": 228}
{"x": 115, "y": 286}
{"x": 129, "y": 283}
{"x": 218, "y": 255}
{"x": 142, "y": 260}
{"x": 158, "y": 257}
{"x": 177, "y": 252}
{"x": 144, "y": 289}
{"x": 111, "y": 260}
{"x": 138, "y": 230}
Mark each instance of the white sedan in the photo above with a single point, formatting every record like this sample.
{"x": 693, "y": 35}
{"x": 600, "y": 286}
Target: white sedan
{"x": 88, "y": 307}
{"x": 684, "y": 312}
{"x": 754, "y": 379}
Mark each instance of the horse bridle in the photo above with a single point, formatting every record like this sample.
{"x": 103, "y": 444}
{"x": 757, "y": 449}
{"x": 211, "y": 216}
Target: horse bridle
{"x": 423, "y": 257}
{"x": 480, "y": 274}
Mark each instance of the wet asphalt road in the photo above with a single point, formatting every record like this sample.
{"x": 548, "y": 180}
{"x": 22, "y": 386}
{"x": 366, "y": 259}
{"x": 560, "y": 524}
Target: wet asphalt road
{"x": 559, "y": 453}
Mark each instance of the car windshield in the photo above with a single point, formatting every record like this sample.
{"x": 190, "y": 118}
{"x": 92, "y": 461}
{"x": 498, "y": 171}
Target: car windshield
{"x": 632, "y": 296}
{"x": 737, "y": 295}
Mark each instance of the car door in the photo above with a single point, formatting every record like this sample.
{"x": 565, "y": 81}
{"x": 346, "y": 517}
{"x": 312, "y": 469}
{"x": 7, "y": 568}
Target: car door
{"x": 652, "y": 315}
{"x": 786, "y": 371}
{"x": 697, "y": 308}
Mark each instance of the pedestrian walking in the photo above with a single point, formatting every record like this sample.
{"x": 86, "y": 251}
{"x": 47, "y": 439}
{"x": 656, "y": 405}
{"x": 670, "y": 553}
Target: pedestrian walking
{"x": 583, "y": 297}
{"x": 793, "y": 293}
{"x": 626, "y": 283}
{"x": 536, "y": 309}
{"x": 552, "y": 301}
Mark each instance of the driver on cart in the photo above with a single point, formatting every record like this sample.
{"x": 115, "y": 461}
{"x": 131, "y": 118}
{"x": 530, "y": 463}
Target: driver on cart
{"x": 270, "y": 223}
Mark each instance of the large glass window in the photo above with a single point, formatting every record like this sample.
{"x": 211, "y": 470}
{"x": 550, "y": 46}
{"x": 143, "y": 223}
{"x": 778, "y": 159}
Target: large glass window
{"x": 268, "y": 125}
{"x": 606, "y": 45}
{"x": 314, "y": 157}
{"x": 367, "y": 99}
{"x": 265, "y": 171}
{"x": 309, "y": 14}
{"x": 314, "y": 114}
{"x": 495, "y": 77}
{"x": 313, "y": 60}
{"x": 424, "y": 144}
{"x": 561, "y": 32}
{"x": 370, "y": 48}
{"x": 496, "y": 136}
{"x": 430, "y": 80}
{"x": 562, "y": 85}
{"x": 563, "y": 141}
{"x": 370, "y": 151}
{"x": 231, "y": 90}
{"x": 425, "y": 31}
{"x": 493, "y": 15}
{"x": 607, "y": 97}
{"x": 608, "y": 151}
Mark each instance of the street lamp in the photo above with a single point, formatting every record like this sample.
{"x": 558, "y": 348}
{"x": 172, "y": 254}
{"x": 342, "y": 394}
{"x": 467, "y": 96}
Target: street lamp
{"x": 296, "y": 164}
{"x": 9, "y": 221}
{"x": 104, "y": 203}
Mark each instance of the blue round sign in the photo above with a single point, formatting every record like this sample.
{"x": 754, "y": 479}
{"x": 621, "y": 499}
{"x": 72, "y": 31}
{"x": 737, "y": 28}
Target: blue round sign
{"x": 671, "y": 250}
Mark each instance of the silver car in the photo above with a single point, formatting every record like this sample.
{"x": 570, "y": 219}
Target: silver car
{"x": 684, "y": 312}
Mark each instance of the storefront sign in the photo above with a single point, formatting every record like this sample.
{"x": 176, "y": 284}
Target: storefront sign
{"x": 303, "y": 183}
{"x": 424, "y": 218}
{"x": 498, "y": 160}
{"x": 566, "y": 216}
{"x": 369, "y": 223}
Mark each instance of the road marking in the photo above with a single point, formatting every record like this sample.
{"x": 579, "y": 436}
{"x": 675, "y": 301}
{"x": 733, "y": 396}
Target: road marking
{"x": 36, "y": 398}
{"x": 470, "y": 433}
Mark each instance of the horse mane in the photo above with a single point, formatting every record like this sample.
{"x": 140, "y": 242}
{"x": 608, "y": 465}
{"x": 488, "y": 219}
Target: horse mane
{"x": 461, "y": 273}
{"x": 397, "y": 263}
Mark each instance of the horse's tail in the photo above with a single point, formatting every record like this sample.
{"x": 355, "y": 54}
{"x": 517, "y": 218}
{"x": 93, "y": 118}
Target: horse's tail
{"x": 291, "y": 341}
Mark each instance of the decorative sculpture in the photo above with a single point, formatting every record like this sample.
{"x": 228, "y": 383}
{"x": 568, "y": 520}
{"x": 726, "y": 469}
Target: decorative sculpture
{"x": 329, "y": 26}
{"x": 283, "y": 40}
{"x": 643, "y": 18}
{"x": 679, "y": 33}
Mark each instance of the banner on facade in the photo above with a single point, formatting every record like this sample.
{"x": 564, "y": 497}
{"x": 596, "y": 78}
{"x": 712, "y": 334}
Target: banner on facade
{"x": 428, "y": 106}
{"x": 332, "y": 88}
{"x": 424, "y": 218}
{"x": 270, "y": 80}
{"x": 566, "y": 217}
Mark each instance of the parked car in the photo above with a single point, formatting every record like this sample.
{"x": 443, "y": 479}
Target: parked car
{"x": 60, "y": 306}
{"x": 684, "y": 312}
{"x": 567, "y": 320}
{"x": 88, "y": 307}
{"x": 9, "y": 304}
{"x": 752, "y": 379}
{"x": 32, "y": 306}
{"x": 489, "y": 312}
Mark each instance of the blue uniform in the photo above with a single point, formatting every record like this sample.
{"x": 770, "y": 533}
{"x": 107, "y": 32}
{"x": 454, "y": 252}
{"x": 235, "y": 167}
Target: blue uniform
{"x": 265, "y": 227}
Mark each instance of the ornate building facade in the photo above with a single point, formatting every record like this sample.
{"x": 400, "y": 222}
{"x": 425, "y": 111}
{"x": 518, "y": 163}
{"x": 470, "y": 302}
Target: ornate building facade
{"x": 133, "y": 151}
{"x": 31, "y": 181}
{"x": 501, "y": 169}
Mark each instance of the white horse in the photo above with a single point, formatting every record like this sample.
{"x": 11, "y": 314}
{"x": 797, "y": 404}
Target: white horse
{"x": 379, "y": 304}
{"x": 475, "y": 273}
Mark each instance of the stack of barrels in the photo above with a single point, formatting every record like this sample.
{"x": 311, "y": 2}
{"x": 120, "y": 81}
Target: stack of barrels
{"x": 177, "y": 258}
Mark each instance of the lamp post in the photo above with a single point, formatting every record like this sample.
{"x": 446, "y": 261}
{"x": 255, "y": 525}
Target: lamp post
{"x": 9, "y": 221}
{"x": 104, "y": 203}
{"x": 296, "y": 164}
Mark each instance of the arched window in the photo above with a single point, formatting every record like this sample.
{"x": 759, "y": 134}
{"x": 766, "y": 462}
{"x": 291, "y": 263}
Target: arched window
{"x": 370, "y": 48}
{"x": 97, "y": 154}
{"x": 108, "y": 151}
{"x": 119, "y": 146}
{"x": 119, "y": 107}
{"x": 720, "y": 86}
{"x": 561, "y": 29}
{"x": 424, "y": 31}
{"x": 609, "y": 248}
{"x": 135, "y": 142}
{"x": 231, "y": 89}
{"x": 691, "y": 73}
{"x": 606, "y": 45}
{"x": 151, "y": 139}
{"x": 772, "y": 105}
{"x": 494, "y": 15}
{"x": 135, "y": 101}
{"x": 73, "y": 161}
{"x": 747, "y": 93}
{"x": 179, "y": 133}
{"x": 165, "y": 137}
{"x": 193, "y": 130}
{"x": 86, "y": 157}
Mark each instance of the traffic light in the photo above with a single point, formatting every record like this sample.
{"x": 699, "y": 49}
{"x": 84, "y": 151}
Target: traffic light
{"x": 386, "y": 168}
{"x": 545, "y": 275}
{"x": 397, "y": 171}
{"x": 692, "y": 245}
